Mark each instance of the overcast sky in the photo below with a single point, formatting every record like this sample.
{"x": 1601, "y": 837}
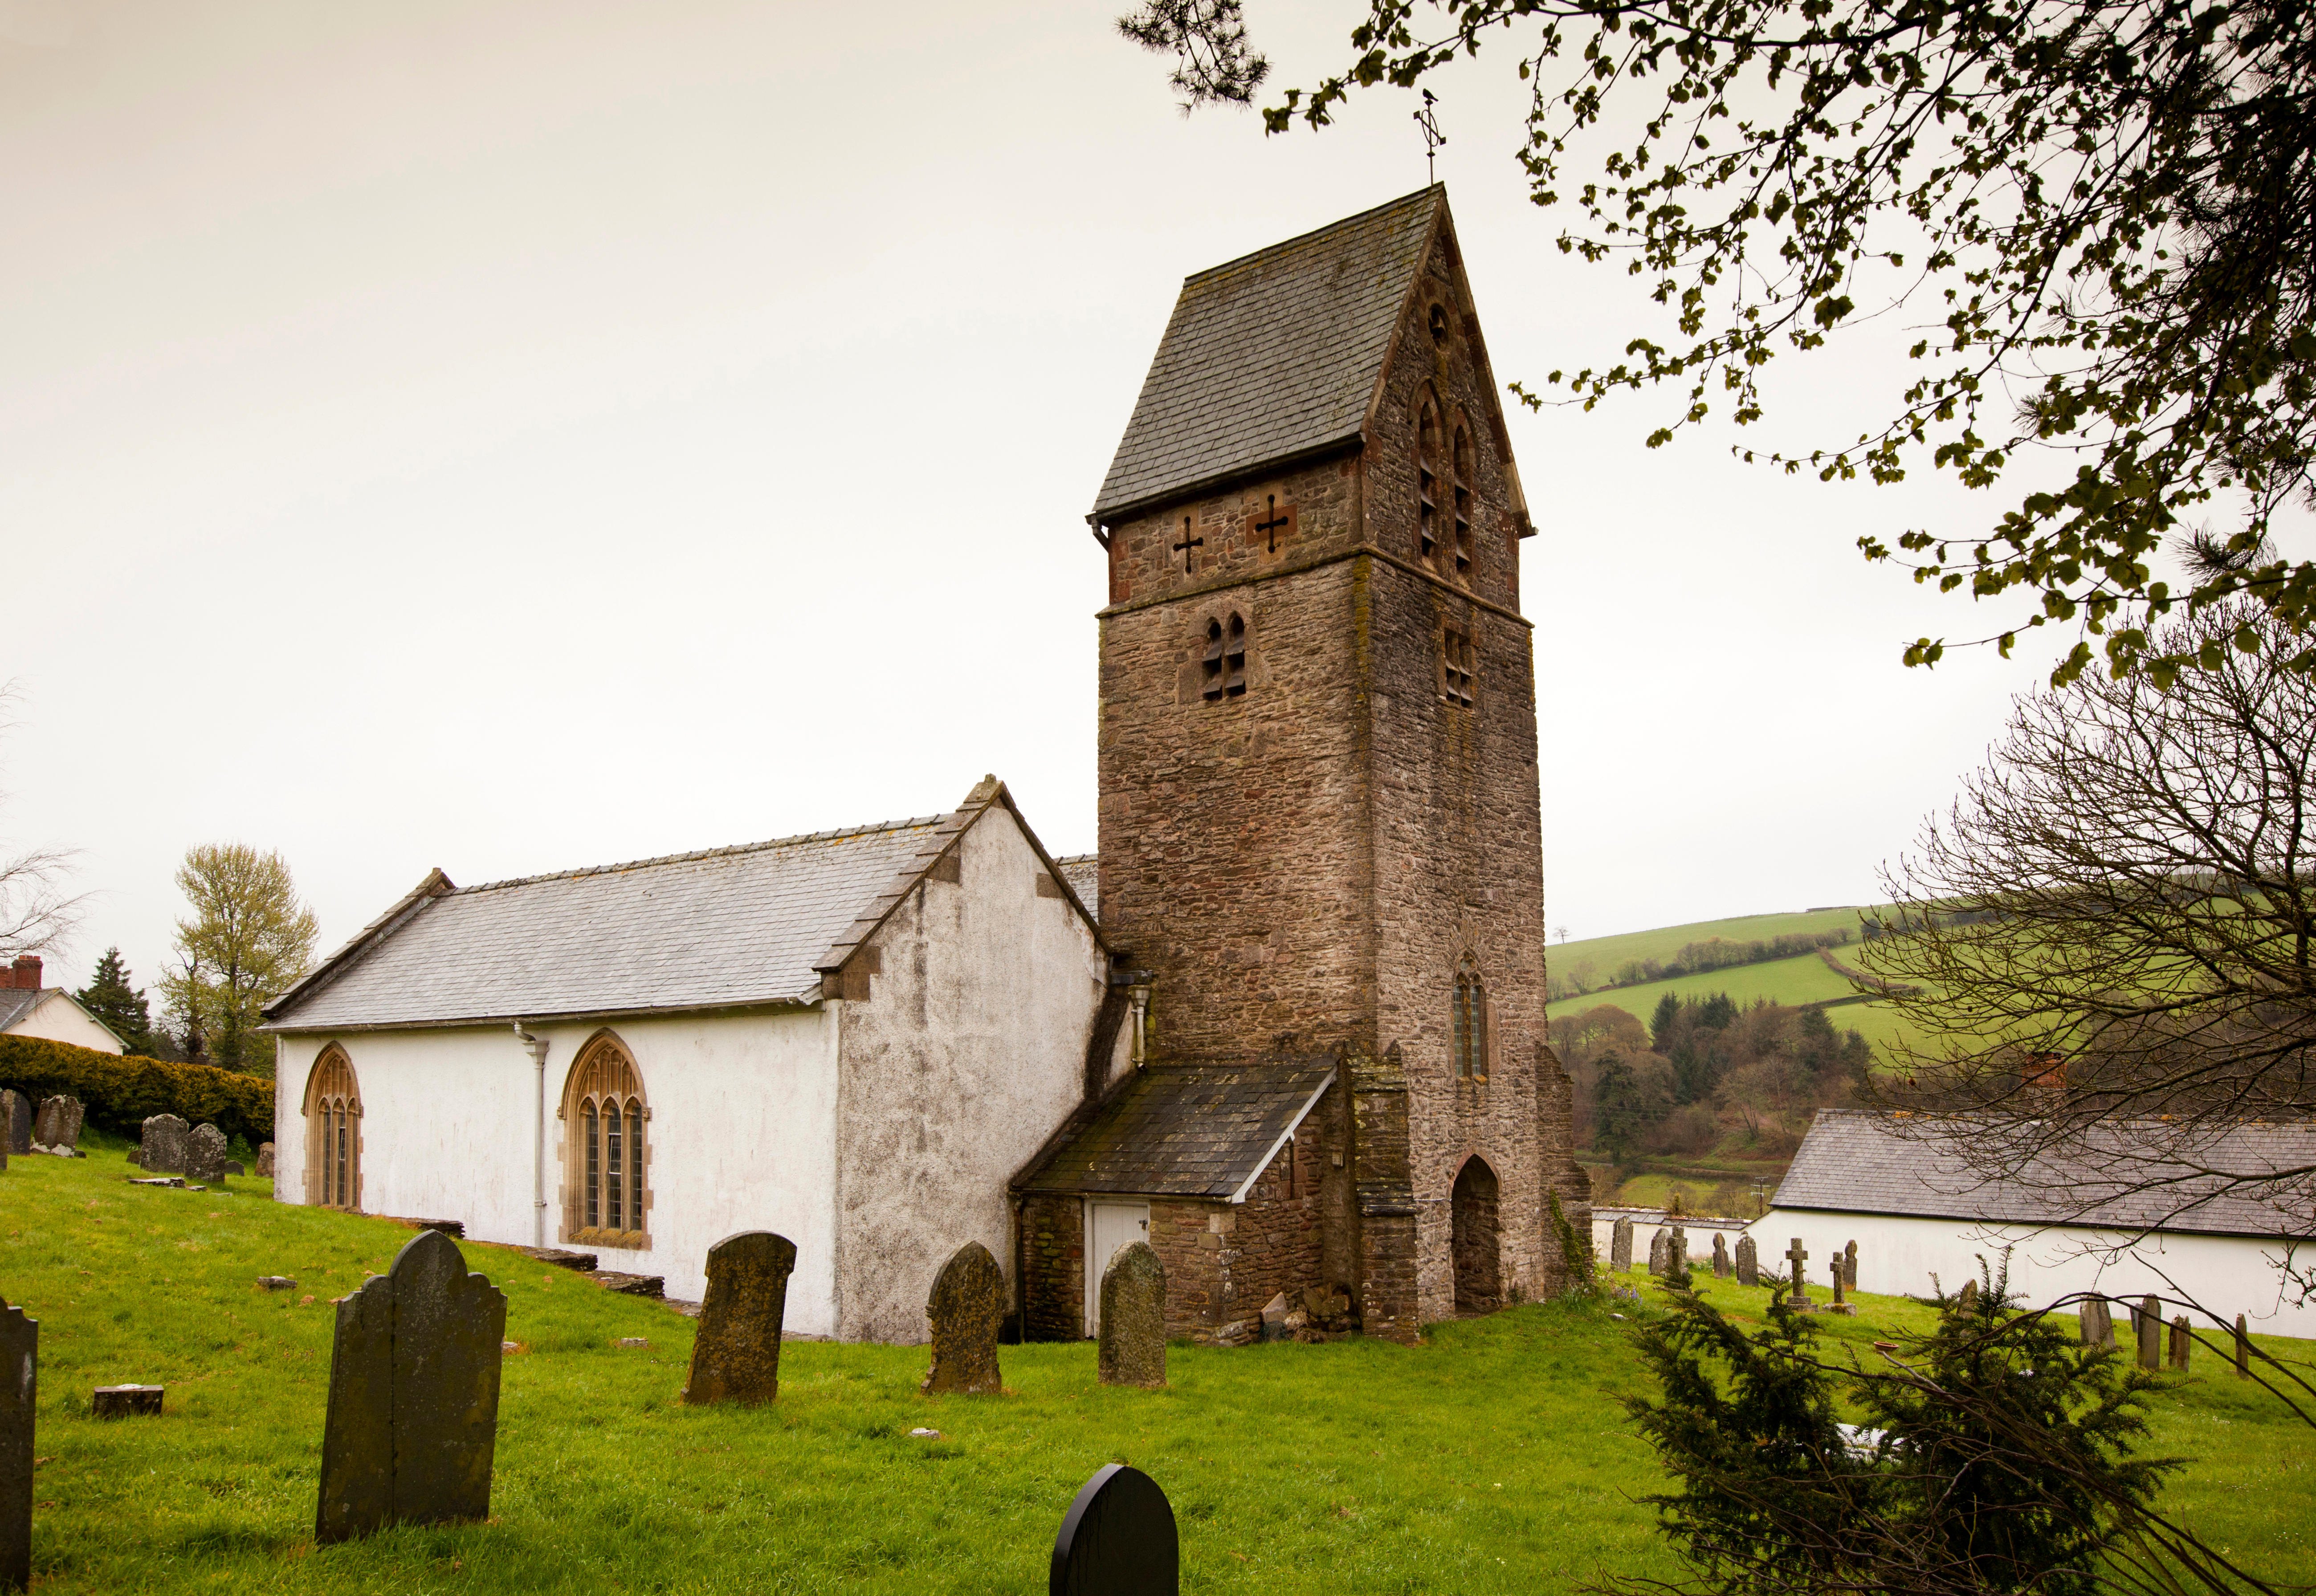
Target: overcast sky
{"x": 513, "y": 436}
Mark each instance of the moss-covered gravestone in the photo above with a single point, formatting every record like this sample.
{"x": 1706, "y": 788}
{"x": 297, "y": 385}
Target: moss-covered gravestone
{"x": 1132, "y": 1347}
{"x": 58, "y": 1126}
{"x": 414, "y": 1415}
{"x": 265, "y": 1160}
{"x": 162, "y": 1149}
{"x": 737, "y": 1355}
{"x": 1749, "y": 1261}
{"x": 1660, "y": 1253}
{"x": 20, "y": 1389}
{"x": 1677, "y": 1255}
{"x": 964, "y": 1312}
{"x": 1620, "y": 1246}
{"x": 19, "y": 1127}
{"x": 205, "y": 1154}
{"x": 1720, "y": 1256}
{"x": 1117, "y": 1539}
{"x": 2147, "y": 1325}
{"x": 2098, "y": 1322}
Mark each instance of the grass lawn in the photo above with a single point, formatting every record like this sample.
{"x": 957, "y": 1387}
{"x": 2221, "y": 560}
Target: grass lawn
{"x": 1665, "y": 941}
{"x": 1494, "y": 1458}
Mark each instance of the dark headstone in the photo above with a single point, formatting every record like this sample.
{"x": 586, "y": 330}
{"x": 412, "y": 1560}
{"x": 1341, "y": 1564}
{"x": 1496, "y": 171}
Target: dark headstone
{"x": 1720, "y": 1256}
{"x": 1749, "y": 1261}
{"x": 205, "y": 1154}
{"x": 1660, "y": 1253}
{"x": 2183, "y": 1341}
{"x": 414, "y": 1414}
{"x": 1850, "y": 1266}
{"x": 1797, "y": 1255}
{"x": 2243, "y": 1350}
{"x": 965, "y": 1310}
{"x": 1133, "y": 1341}
{"x": 19, "y": 1127}
{"x": 1117, "y": 1539}
{"x": 1620, "y": 1246}
{"x": 2147, "y": 1322}
{"x": 1841, "y": 1275}
{"x": 163, "y": 1150}
{"x": 233, "y": 1167}
{"x": 126, "y": 1402}
{"x": 58, "y": 1126}
{"x": 265, "y": 1161}
{"x": 20, "y": 1390}
{"x": 736, "y": 1356}
{"x": 1677, "y": 1256}
{"x": 2097, "y": 1324}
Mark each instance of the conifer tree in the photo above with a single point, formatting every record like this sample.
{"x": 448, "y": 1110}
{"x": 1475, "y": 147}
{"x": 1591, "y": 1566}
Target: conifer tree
{"x": 121, "y": 1007}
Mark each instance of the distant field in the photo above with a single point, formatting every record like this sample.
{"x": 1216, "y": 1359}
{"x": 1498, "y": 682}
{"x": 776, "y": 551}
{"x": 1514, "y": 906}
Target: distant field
{"x": 1607, "y": 952}
{"x": 1804, "y": 979}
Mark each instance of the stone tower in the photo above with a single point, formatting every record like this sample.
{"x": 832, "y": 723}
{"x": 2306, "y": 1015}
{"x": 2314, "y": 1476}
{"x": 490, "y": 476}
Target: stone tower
{"x": 1320, "y": 832}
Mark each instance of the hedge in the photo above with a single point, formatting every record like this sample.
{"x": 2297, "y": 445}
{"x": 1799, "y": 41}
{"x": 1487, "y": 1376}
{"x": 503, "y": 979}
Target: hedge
{"x": 121, "y": 1092}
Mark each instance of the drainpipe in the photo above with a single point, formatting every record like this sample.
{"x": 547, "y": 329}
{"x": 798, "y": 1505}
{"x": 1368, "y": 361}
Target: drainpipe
{"x": 536, "y": 1048}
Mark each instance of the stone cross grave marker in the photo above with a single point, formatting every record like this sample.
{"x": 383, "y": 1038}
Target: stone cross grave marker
{"x": 1834, "y": 1267}
{"x": 1117, "y": 1539}
{"x": 1720, "y": 1256}
{"x": 1749, "y": 1261}
{"x": 965, "y": 1310}
{"x": 20, "y": 1382}
{"x": 1850, "y": 1266}
{"x": 2183, "y": 1343}
{"x": 1660, "y": 1253}
{"x": 205, "y": 1154}
{"x": 162, "y": 1151}
{"x": 20, "y": 1121}
{"x": 414, "y": 1412}
{"x": 1797, "y": 1256}
{"x": 1677, "y": 1256}
{"x": 57, "y": 1128}
{"x": 1620, "y": 1246}
{"x": 2147, "y": 1322}
{"x": 737, "y": 1355}
{"x": 2099, "y": 1325}
{"x": 1133, "y": 1343}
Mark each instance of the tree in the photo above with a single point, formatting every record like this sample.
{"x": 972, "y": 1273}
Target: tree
{"x": 2116, "y": 922}
{"x": 109, "y": 996}
{"x": 248, "y": 939}
{"x": 36, "y": 912}
{"x": 2104, "y": 212}
{"x": 1662, "y": 1023}
{"x": 1621, "y": 1109}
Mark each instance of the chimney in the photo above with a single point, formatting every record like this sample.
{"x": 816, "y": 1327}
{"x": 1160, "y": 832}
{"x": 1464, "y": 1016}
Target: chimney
{"x": 24, "y": 975}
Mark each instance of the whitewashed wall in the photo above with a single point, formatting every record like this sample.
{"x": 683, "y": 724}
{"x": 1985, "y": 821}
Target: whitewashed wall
{"x": 57, "y": 1018}
{"x": 1897, "y": 1255}
{"x": 966, "y": 1056}
{"x": 740, "y": 1137}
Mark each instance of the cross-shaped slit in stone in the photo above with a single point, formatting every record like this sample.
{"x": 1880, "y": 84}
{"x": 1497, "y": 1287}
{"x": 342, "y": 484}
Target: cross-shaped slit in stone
{"x": 1188, "y": 544}
{"x": 1276, "y": 522}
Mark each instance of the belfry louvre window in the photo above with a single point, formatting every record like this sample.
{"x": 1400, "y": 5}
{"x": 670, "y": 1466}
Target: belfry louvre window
{"x": 1463, "y": 464}
{"x": 1426, "y": 482}
{"x": 1456, "y": 667}
{"x": 1468, "y": 1026}
{"x": 605, "y": 1197}
{"x": 1224, "y": 668}
{"x": 334, "y": 1132}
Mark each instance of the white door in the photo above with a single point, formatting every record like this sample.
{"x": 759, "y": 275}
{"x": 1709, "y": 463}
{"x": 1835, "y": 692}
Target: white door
{"x": 1109, "y": 1225}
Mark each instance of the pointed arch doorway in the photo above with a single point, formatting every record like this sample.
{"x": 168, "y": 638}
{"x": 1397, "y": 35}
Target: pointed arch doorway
{"x": 1475, "y": 1245}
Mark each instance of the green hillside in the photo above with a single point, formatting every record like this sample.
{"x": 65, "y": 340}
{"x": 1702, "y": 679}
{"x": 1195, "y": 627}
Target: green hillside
{"x": 1804, "y": 979}
{"x": 1606, "y": 953}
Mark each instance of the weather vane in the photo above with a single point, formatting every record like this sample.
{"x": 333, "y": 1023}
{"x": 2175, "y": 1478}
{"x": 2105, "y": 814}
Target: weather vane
{"x": 1432, "y": 137}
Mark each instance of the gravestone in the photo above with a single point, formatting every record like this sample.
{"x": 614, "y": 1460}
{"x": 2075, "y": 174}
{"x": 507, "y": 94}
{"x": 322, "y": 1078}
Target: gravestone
{"x": 1660, "y": 1253}
{"x": 162, "y": 1151}
{"x": 1620, "y": 1246}
{"x": 58, "y": 1126}
{"x": 265, "y": 1161}
{"x": 1966, "y": 1300}
{"x": 1797, "y": 1256}
{"x": 205, "y": 1154}
{"x": 1677, "y": 1256}
{"x": 1133, "y": 1341}
{"x": 1274, "y": 1318}
{"x": 2243, "y": 1350}
{"x": 1720, "y": 1256}
{"x": 737, "y": 1356}
{"x": 966, "y": 1309}
{"x": 2099, "y": 1325}
{"x": 2183, "y": 1341}
{"x": 20, "y": 1380}
{"x": 1117, "y": 1539}
{"x": 414, "y": 1412}
{"x": 1749, "y": 1261}
{"x": 2147, "y": 1324}
{"x": 127, "y": 1402}
{"x": 20, "y": 1120}
{"x": 1850, "y": 1266}
{"x": 1840, "y": 1273}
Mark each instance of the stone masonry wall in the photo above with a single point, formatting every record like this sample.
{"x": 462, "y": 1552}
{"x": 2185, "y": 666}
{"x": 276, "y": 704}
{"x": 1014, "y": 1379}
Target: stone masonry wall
{"x": 1052, "y": 1268}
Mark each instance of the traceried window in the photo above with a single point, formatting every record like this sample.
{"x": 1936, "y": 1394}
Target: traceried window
{"x": 1224, "y": 668}
{"x": 334, "y": 1132}
{"x": 1468, "y": 1024}
{"x": 605, "y": 1197}
{"x": 1462, "y": 462}
{"x": 1426, "y": 482}
{"x": 1456, "y": 667}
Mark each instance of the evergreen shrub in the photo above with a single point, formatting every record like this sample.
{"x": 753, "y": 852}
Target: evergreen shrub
{"x": 119, "y": 1092}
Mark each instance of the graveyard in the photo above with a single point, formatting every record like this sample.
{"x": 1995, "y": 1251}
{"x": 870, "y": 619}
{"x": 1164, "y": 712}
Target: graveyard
{"x": 1494, "y": 1457}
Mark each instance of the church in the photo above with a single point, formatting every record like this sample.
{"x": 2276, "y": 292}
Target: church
{"x": 1286, "y": 1024}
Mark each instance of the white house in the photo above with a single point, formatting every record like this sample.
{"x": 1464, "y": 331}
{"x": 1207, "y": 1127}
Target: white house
{"x": 854, "y": 1039}
{"x": 28, "y": 1009}
{"x": 1905, "y": 1194}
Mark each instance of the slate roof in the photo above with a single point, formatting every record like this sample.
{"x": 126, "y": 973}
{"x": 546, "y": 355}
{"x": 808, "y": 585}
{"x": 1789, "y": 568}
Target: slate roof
{"x": 1271, "y": 357}
{"x": 727, "y": 927}
{"x": 15, "y": 1002}
{"x": 1858, "y": 1162}
{"x": 1080, "y": 870}
{"x": 1186, "y": 1129}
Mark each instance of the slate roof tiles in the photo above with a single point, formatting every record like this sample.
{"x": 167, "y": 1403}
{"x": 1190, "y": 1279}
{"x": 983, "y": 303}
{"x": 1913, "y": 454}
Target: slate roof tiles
{"x": 1186, "y": 1129}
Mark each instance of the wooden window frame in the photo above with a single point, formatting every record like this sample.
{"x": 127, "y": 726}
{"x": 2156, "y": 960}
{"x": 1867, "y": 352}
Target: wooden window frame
{"x": 605, "y": 1116}
{"x": 333, "y": 1113}
{"x": 1460, "y": 463}
{"x": 1459, "y": 668}
{"x": 1471, "y": 1026}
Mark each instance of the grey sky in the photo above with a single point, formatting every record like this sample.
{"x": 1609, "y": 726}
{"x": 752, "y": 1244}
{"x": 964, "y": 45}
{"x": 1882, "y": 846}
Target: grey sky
{"x": 513, "y": 436}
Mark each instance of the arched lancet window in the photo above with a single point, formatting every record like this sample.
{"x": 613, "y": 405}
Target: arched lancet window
{"x": 1426, "y": 482}
{"x": 333, "y": 1112}
{"x": 1468, "y": 1023}
{"x": 1225, "y": 665}
{"x": 605, "y": 1197}
{"x": 1463, "y": 464}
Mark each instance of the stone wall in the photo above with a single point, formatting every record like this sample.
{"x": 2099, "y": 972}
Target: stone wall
{"x": 1052, "y": 1268}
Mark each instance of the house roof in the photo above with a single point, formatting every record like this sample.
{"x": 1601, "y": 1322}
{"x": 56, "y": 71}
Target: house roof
{"x": 723, "y": 928}
{"x": 2135, "y": 1177}
{"x": 1081, "y": 870}
{"x": 1186, "y": 1130}
{"x": 1273, "y": 357}
{"x": 15, "y": 1002}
